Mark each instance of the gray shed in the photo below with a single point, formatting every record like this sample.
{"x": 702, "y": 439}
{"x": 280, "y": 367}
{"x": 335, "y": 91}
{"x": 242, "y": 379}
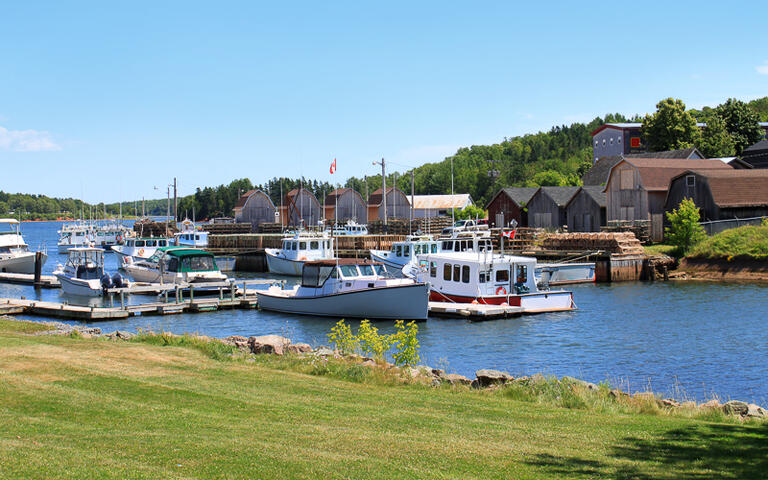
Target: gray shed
{"x": 345, "y": 204}
{"x": 398, "y": 205}
{"x": 254, "y": 207}
{"x": 302, "y": 207}
{"x": 586, "y": 210}
{"x": 547, "y": 207}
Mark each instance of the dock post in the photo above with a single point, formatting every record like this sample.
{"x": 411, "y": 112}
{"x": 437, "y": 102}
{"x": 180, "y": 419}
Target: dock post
{"x": 221, "y": 294}
{"x": 111, "y": 300}
{"x": 38, "y": 268}
{"x": 191, "y": 294}
{"x": 165, "y": 293}
{"x": 122, "y": 299}
{"x": 232, "y": 289}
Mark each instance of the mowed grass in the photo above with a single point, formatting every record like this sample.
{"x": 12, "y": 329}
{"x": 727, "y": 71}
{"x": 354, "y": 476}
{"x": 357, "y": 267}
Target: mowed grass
{"x": 93, "y": 408}
{"x": 749, "y": 242}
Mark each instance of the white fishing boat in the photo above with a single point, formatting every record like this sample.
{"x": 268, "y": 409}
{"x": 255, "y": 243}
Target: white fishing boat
{"x": 350, "y": 228}
{"x": 15, "y": 256}
{"x": 134, "y": 249}
{"x": 469, "y": 241}
{"x": 564, "y": 273}
{"x": 296, "y": 250}
{"x": 493, "y": 279}
{"x": 190, "y": 235}
{"x": 406, "y": 251}
{"x": 176, "y": 265}
{"x": 109, "y": 234}
{"x": 349, "y": 288}
{"x": 83, "y": 273}
{"x": 77, "y": 234}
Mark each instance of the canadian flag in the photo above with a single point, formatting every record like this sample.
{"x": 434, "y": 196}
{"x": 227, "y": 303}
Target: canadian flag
{"x": 333, "y": 166}
{"x": 510, "y": 234}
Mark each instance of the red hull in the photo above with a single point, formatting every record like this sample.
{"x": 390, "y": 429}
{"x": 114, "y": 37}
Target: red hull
{"x": 511, "y": 300}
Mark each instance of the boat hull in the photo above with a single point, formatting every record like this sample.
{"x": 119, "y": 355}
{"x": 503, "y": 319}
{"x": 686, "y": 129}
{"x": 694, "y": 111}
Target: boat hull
{"x": 565, "y": 273}
{"x": 538, "y": 302}
{"x": 79, "y": 287}
{"x": 24, "y": 263}
{"x": 405, "y": 302}
{"x": 283, "y": 266}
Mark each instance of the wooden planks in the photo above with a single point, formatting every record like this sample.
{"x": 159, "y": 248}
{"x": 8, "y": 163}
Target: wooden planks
{"x": 46, "y": 281}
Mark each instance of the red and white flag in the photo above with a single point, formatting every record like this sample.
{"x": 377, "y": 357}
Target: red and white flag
{"x": 510, "y": 234}
{"x": 333, "y": 166}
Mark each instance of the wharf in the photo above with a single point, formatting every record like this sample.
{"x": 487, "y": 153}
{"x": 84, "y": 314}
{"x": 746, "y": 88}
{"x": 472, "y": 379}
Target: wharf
{"x": 46, "y": 281}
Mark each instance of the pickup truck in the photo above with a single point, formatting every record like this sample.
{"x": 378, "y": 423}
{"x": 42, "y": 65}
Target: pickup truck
{"x": 466, "y": 226}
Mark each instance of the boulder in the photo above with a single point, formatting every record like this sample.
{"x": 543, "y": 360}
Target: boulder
{"x": 487, "y": 377}
{"x": 368, "y": 363}
{"x": 438, "y": 372}
{"x": 736, "y": 407}
{"x": 269, "y": 344}
{"x": 576, "y": 381}
{"x": 455, "y": 379}
{"x": 616, "y": 393}
{"x": 234, "y": 340}
{"x": 298, "y": 348}
{"x": 714, "y": 403}
{"x": 124, "y": 335}
{"x": 756, "y": 411}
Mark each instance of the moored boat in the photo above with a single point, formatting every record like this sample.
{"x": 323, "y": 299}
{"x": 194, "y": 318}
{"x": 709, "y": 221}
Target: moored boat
{"x": 349, "y": 288}
{"x": 406, "y": 251}
{"x": 135, "y": 249}
{"x": 83, "y": 273}
{"x": 466, "y": 277}
{"x": 77, "y": 234}
{"x": 176, "y": 265}
{"x": 297, "y": 250}
{"x": 564, "y": 273}
{"x": 15, "y": 256}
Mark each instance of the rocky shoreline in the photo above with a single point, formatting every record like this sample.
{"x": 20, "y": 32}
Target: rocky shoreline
{"x": 485, "y": 379}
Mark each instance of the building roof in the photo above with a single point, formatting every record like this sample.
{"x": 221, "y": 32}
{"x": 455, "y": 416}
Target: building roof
{"x": 376, "y": 197}
{"x": 596, "y": 192}
{"x": 656, "y": 173}
{"x": 617, "y": 126}
{"x": 330, "y": 200}
{"x": 756, "y": 149}
{"x": 685, "y": 153}
{"x": 441, "y": 202}
{"x": 736, "y": 188}
{"x": 520, "y": 195}
{"x": 598, "y": 174}
{"x": 246, "y": 196}
{"x": 560, "y": 195}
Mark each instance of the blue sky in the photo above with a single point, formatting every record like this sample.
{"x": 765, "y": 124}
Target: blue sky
{"x": 106, "y": 100}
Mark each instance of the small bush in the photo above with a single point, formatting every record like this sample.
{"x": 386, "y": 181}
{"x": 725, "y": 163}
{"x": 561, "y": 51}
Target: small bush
{"x": 371, "y": 342}
{"x": 685, "y": 230}
{"x": 406, "y": 343}
{"x": 343, "y": 339}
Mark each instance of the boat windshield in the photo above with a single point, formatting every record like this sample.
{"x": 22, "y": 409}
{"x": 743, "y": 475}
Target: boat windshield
{"x": 197, "y": 264}
{"x": 366, "y": 270}
{"x": 314, "y": 276}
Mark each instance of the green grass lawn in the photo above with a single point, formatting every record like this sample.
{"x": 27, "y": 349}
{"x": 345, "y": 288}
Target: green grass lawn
{"x": 743, "y": 242}
{"x": 659, "y": 249}
{"x": 94, "y": 408}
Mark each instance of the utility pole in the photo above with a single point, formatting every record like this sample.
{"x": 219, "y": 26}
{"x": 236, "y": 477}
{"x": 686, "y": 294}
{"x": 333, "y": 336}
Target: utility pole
{"x": 168, "y": 211}
{"x": 410, "y": 227}
{"x": 175, "y": 201}
{"x": 383, "y": 189}
{"x": 452, "y": 209}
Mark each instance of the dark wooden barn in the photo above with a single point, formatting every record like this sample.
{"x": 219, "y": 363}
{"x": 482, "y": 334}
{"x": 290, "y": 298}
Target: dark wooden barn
{"x": 547, "y": 207}
{"x": 510, "y": 204}
{"x": 398, "y": 205}
{"x": 586, "y": 210}
{"x": 254, "y": 207}
{"x": 637, "y": 188}
{"x": 757, "y": 154}
{"x": 721, "y": 194}
{"x": 345, "y": 204}
{"x": 301, "y": 208}
{"x": 598, "y": 174}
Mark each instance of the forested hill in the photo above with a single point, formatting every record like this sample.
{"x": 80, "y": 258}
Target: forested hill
{"x": 557, "y": 157}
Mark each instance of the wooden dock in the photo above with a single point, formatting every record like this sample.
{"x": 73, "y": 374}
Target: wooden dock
{"x": 473, "y": 311}
{"x": 46, "y": 281}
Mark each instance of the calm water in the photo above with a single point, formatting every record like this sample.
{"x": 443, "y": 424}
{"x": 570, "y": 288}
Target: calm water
{"x": 685, "y": 339}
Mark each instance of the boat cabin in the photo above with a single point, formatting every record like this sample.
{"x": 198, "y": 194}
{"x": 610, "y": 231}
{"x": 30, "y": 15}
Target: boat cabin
{"x": 11, "y": 240}
{"x": 465, "y": 274}
{"x": 467, "y": 243}
{"x": 303, "y": 247}
{"x": 329, "y": 276}
{"x": 184, "y": 260}
{"x": 86, "y": 263}
{"x": 411, "y": 248}
{"x": 146, "y": 242}
{"x": 193, "y": 238}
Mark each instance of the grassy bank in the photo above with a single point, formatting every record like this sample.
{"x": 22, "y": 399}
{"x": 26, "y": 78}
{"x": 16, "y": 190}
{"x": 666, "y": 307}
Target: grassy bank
{"x": 167, "y": 408}
{"x": 749, "y": 242}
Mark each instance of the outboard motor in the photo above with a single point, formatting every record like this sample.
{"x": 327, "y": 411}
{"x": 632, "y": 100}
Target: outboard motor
{"x": 117, "y": 280}
{"x": 106, "y": 282}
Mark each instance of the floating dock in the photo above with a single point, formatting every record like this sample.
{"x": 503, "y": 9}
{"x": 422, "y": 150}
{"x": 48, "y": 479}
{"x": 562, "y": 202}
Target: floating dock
{"x": 46, "y": 281}
{"x": 473, "y": 311}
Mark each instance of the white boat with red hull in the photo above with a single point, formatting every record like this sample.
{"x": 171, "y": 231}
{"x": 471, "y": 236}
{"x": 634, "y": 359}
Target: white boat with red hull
{"x": 492, "y": 279}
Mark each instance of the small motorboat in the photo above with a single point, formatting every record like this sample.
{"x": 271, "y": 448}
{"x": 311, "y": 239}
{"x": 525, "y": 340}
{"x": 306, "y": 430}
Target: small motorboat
{"x": 77, "y": 234}
{"x": 493, "y": 279}
{"x": 297, "y": 250}
{"x": 135, "y": 249}
{"x": 406, "y": 251}
{"x": 84, "y": 275}
{"x": 349, "y": 288}
{"x": 15, "y": 256}
{"x": 177, "y": 265}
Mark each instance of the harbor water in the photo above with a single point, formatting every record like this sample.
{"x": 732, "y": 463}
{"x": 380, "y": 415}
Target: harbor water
{"x": 689, "y": 340}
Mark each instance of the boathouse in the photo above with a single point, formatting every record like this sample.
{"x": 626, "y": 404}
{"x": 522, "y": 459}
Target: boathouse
{"x": 598, "y": 174}
{"x": 398, "y": 205}
{"x": 439, "y": 205}
{"x": 301, "y": 208}
{"x": 548, "y": 207}
{"x": 636, "y": 188}
{"x": 510, "y": 204}
{"x": 586, "y": 210}
{"x": 254, "y": 207}
{"x": 344, "y": 204}
{"x": 757, "y": 154}
{"x": 721, "y": 194}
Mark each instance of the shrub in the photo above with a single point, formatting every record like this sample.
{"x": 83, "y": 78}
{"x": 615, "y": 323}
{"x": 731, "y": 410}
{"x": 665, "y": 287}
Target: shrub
{"x": 371, "y": 342}
{"x": 684, "y": 231}
{"x": 406, "y": 343}
{"x": 343, "y": 339}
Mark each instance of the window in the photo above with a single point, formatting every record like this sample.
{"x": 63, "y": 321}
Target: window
{"x": 595, "y": 142}
{"x": 446, "y": 245}
{"x": 465, "y": 274}
{"x": 432, "y": 269}
{"x": 522, "y": 273}
{"x": 627, "y": 179}
{"x": 381, "y": 270}
{"x": 611, "y": 142}
{"x": 313, "y": 245}
{"x": 140, "y": 243}
{"x": 618, "y": 139}
{"x": 366, "y": 270}
{"x": 348, "y": 270}
{"x": 603, "y": 142}
{"x": 690, "y": 181}
{"x": 502, "y": 275}
{"x": 434, "y": 248}
{"x": 151, "y": 243}
{"x": 399, "y": 250}
{"x": 406, "y": 251}
{"x": 302, "y": 245}
{"x": 447, "y": 272}
{"x": 485, "y": 276}
{"x": 163, "y": 243}
{"x": 456, "y": 273}
{"x": 456, "y": 246}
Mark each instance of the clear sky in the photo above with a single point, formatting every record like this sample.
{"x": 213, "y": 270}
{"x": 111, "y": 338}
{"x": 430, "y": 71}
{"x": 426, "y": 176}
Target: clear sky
{"x": 105, "y": 100}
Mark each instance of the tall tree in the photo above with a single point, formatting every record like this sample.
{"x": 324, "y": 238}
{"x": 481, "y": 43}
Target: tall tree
{"x": 741, "y": 123}
{"x": 715, "y": 139}
{"x": 671, "y": 127}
